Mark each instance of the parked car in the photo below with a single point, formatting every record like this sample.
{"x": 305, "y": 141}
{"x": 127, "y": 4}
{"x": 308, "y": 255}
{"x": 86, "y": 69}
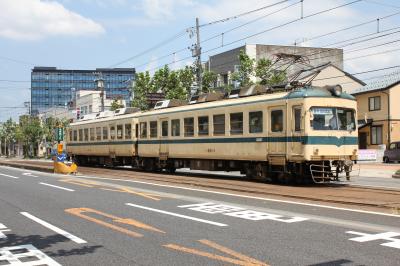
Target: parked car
{"x": 393, "y": 153}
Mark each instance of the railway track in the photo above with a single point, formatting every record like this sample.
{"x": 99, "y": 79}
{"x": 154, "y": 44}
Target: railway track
{"x": 333, "y": 193}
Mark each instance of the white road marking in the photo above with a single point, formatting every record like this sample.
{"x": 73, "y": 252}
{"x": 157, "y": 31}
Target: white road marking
{"x": 3, "y": 228}
{"x": 54, "y": 228}
{"x": 248, "y": 197}
{"x": 176, "y": 214}
{"x": 14, "y": 256}
{"x": 50, "y": 185}
{"x": 229, "y": 210}
{"x": 16, "y": 177}
{"x": 387, "y": 236}
{"x": 30, "y": 174}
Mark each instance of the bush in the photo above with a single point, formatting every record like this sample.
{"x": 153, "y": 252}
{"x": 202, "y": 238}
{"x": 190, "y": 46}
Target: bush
{"x": 398, "y": 172}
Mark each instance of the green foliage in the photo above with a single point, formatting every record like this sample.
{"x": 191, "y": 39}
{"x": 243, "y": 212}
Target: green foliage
{"x": 267, "y": 75}
{"x": 143, "y": 85}
{"x": 174, "y": 88}
{"x": 32, "y": 132}
{"x": 246, "y": 69}
{"x": 116, "y": 105}
{"x": 209, "y": 79}
{"x": 161, "y": 79}
{"x": 186, "y": 78}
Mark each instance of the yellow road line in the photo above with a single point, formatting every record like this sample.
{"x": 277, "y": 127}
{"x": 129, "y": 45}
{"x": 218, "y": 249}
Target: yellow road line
{"x": 241, "y": 259}
{"x": 79, "y": 212}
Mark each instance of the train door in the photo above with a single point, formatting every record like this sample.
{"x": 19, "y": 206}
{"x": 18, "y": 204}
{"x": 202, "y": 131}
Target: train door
{"x": 164, "y": 152}
{"x": 111, "y": 145}
{"x": 297, "y": 130}
{"x": 277, "y": 135}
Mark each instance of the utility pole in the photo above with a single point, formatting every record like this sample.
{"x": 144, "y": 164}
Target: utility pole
{"x": 197, "y": 53}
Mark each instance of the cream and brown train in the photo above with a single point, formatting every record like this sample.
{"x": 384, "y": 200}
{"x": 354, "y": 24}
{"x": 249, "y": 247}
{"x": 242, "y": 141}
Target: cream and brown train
{"x": 308, "y": 133}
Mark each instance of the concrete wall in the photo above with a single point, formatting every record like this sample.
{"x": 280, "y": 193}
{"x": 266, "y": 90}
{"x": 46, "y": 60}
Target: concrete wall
{"x": 333, "y": 76}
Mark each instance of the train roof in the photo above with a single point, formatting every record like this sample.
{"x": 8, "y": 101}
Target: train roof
{"x": 303, "y": 92}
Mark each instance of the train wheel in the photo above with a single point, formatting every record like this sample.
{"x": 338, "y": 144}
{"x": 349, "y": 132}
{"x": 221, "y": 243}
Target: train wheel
{"x": 260, "y": 172}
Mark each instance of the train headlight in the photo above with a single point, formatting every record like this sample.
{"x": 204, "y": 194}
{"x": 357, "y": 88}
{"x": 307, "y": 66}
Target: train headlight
{"x": 316, "y": 151}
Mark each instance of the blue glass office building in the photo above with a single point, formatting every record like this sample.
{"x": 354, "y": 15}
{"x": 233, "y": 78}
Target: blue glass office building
{"x": 52, "y": 87}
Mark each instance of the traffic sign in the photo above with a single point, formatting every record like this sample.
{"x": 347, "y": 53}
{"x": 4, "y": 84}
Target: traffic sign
{"x": 59, "y": 133}
{"x": 61, "y": 157}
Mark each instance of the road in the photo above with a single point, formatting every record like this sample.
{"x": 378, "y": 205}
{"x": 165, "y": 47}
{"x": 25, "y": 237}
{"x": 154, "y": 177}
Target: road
{"x": 87, "y": 220}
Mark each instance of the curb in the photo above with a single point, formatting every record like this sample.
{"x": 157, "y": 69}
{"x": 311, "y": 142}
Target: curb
{"x": 29, "y": 167}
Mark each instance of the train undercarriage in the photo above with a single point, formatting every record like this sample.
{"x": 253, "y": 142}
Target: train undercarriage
{"x": 288, "y": 173}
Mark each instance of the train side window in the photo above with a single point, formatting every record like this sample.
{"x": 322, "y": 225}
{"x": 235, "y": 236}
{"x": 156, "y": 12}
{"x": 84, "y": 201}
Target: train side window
{"x": 297, "y": 119}
{"x": 175, "y": 128}
{"x": 256, "y": 122}
{"x": 86, "y": 134}
{"x": 98, "y": 133}
{"x": 128, "y": 131}
{"x": 277, "y": 121}
{"x": 143, "y": 130}
{"x": 112, "y": 132}
{"x": 164, "y": 128}
{"x": 119, "y": 131}
{"x": 81, "y": 134}
{"x": 70, "y": 135}
{"x": 236, "y": 123}
{"x": 105, "y": 133}
{"x": 188, "y": 127}
{"x": 75, "y": 135}
{"x": 203, "y": 125}
{"x": 153, "y": 129}
{"x": 219, "y": 124}
{"x": 91, "y": 133}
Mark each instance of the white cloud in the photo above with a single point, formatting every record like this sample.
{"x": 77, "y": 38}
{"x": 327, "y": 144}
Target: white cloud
{"x": 163, "y": 9}
{"x": 36, "y": 19}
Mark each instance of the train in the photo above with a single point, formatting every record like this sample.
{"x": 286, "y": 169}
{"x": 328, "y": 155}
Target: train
{"x": 303, "y": 134}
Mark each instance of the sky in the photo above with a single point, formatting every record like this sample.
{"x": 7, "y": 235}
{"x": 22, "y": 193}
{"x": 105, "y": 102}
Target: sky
{"x": 89, "y": 34}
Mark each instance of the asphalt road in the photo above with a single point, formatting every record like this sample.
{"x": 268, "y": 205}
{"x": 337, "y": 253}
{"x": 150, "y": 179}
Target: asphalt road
{"x": 52, "y": 219}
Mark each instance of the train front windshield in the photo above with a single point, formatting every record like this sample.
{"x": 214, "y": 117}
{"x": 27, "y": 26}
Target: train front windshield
{"x": 332, "y": 118}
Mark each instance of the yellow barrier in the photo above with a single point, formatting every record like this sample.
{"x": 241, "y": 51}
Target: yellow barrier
{"x": 62, "y": 168}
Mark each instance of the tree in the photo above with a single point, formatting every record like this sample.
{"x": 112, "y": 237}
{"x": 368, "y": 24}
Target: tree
{"x": 268, "y": 75}
{"x": 8, "y": 134}
{"x": 246, "y": 69}
{"x": 116, "y": 105}
{"x": 143, "y": 85}
{"x": 160, "y": 79}
{"x": 174, "y": 88}
{"x": 187, "y": 77}
{"x": 209, "y": 79}
{"x": 32, "y": 134}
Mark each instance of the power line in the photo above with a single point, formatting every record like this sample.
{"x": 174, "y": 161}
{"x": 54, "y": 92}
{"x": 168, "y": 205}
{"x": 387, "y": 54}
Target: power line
{"x": 243, "y": 14}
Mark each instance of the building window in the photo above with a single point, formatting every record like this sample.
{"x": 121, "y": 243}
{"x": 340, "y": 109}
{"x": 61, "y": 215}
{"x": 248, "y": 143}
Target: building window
{"x": 277, "y": 121}
{"x": 236, "y": 123}
{"x": 119, "y": 132}
{"x": 98, "y": 133}
{"x": 188, "y": 126}
{"x": 203, "y": 125}
{"x": 105, "y": 133}
{"x": 80, "y": 134}
{"x": 143, "y": 130}
{"x": 297, "y": 119}
{"x": 128, "y": 131}
{"x": 153, "y": 129}
{"x": 376, "y": 135}
{"x": 175, "y": 128}
{"x": 219, "y": 124}
{"x": 374, "y": 103}
{"x": 164, "y": 128}
{"x": 256, "y": 122}
{"x": 75, "y": 135}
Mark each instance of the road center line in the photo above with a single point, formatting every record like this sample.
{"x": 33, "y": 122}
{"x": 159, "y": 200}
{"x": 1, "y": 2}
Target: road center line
{"x": 176, "y": 214}
{"x": 16, "y": 177}
{"x": 54, "y": 228}
{"x": 248, "y": 197}
{"x": 50, "y": 185}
